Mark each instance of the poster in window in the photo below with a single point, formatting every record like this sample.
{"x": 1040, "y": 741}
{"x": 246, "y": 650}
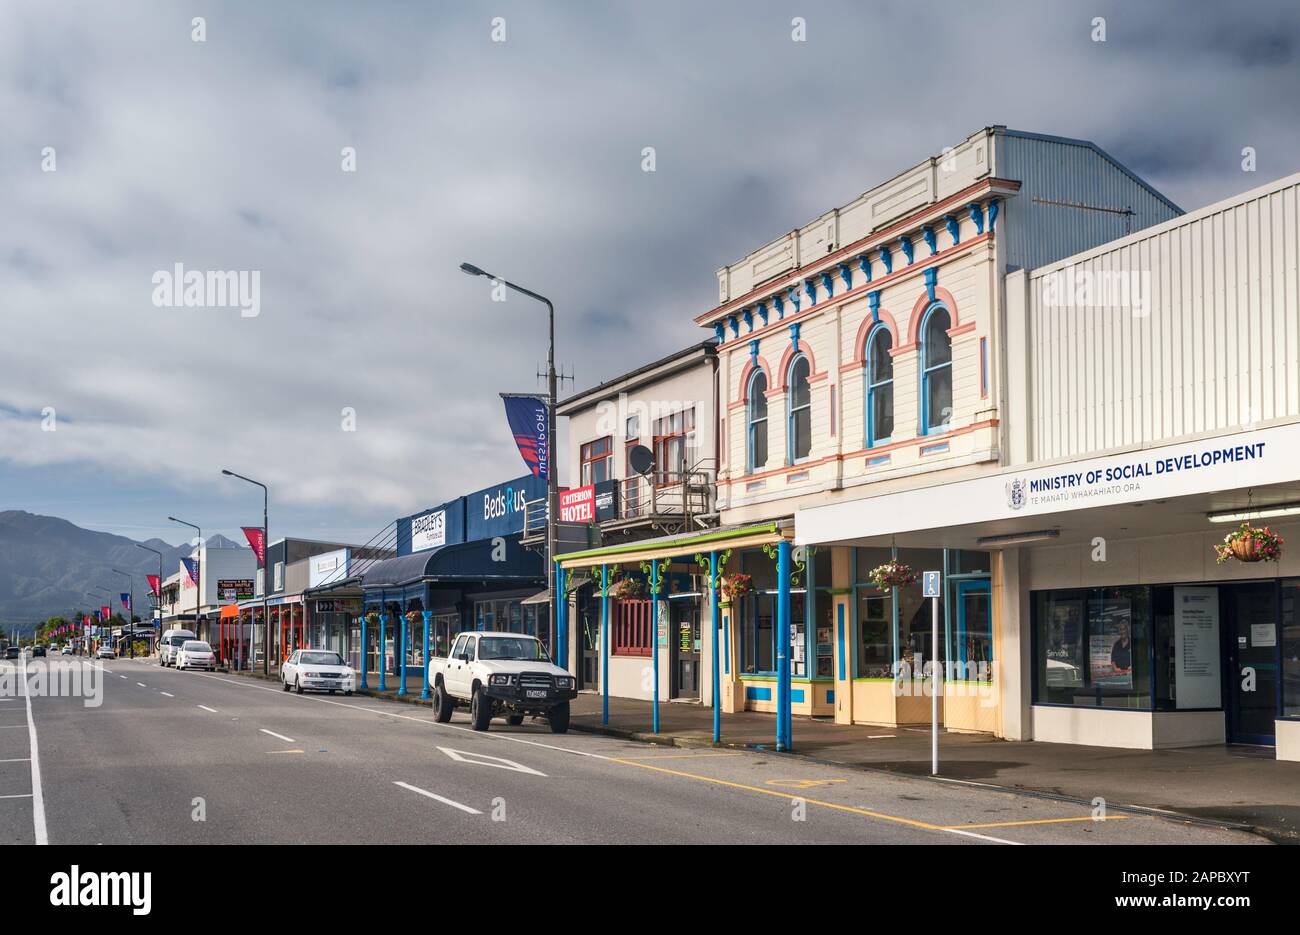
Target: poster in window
{"x": 1110, "y": 644}
{"x": 1196, "y": 648}
{"x": 1064, "y": 645}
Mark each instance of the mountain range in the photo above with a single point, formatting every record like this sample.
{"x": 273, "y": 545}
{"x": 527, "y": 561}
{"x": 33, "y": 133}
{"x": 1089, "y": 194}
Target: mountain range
{"x": 47, "y": 566}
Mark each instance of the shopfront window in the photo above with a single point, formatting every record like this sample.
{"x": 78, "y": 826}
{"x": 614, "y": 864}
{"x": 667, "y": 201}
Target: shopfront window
{"x": 1290, "y": 637}
{"x": 1092, "y": 647}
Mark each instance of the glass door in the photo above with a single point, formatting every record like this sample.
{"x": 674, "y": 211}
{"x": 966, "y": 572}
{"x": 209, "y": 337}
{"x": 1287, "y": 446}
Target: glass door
{"x": 1251, "y": 610}
{"x": 973, "y": 647}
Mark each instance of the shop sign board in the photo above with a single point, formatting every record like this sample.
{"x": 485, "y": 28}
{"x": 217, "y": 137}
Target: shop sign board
{"x": 578, "y": 505}
{"x": 230, "y": 590}
{"x": 328, "y": 567}
{"x": 429, "y": 530}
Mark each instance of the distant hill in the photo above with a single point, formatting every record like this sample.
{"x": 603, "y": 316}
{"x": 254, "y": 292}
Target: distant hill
{"x": 48, "y": 564}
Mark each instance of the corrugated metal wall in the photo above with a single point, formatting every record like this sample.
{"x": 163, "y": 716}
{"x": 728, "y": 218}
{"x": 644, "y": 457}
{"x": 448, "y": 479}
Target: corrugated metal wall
{"x": 1043, "y": 225}
{"x": 1206, "y": 340}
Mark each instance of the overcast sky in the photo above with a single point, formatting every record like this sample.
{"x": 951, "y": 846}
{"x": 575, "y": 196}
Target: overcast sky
{"x": 522, "y": 156}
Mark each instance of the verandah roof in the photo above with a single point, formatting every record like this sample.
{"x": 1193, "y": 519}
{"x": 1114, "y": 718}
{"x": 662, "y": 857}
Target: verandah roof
{"x": 645, "y": 550}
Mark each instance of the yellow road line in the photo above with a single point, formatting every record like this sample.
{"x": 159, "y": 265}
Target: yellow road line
{"x": 1046, "y": 821}
{"x": 786, "y": 795}
{"x": 284, "y": 751}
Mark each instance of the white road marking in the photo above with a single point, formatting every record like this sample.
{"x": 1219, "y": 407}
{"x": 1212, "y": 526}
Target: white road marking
{"x": 25, "y": 795}
{"x": 38, "y": 796}
{"x": 142, "y": 684}
{"x": 17, "y": 759}
{"x": 443, "y": 799}
{"x": 121, "y": 676}
{"x": 206, "y": 708}
{"x": 982, "y": 837}
{"x": 277, "y": 736}
{"x": 11, "y": 726}
{"x": 482, "y": 759}
{"x": 167, "y": 694}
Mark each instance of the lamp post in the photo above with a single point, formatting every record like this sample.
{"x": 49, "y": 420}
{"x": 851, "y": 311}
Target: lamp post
{"x": 552, "y": 479}
{"x": 198, "y": 599}
{"x": 130, "y": 610}
{"x": 266, "y": 585}
{"x": 158, "y": 596}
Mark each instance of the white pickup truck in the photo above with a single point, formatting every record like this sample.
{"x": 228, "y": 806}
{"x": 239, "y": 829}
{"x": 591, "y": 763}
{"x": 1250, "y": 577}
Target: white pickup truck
{"x": 501, "y": 675}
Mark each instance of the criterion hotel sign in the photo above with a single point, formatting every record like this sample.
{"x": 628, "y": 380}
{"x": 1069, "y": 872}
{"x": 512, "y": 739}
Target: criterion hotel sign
{"x": 1226, "y": 462}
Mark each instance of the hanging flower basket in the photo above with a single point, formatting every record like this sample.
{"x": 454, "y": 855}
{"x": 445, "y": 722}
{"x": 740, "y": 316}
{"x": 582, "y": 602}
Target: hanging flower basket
{"x": 1249, "y": 543}
{"x": 736, "y": 586}
{"x": 372, "y": 618}
{"x": 626, "y": 589}
{"x": 892, "y": 574}
{"x": 414, "y": 617}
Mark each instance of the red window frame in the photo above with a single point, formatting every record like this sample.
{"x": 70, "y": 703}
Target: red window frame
{"x": 664, "y": 432}
{"x": 590, "y": 457}
{"x": 633, "y": 628}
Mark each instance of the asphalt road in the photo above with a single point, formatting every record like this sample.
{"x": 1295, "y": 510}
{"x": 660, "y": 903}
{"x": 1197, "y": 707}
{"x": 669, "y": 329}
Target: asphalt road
{"x": 196, "y": 758}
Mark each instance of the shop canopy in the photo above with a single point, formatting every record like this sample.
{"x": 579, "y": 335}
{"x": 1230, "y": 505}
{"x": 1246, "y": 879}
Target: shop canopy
{"x": 461, "y": 561}
{"x": 679, "y": 545}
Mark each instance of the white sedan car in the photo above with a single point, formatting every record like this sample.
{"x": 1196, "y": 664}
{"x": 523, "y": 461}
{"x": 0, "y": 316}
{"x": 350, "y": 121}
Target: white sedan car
{"x": 317, "y": 670}
{"x": 105, "y": 652}
{"x": 196, "y": 654}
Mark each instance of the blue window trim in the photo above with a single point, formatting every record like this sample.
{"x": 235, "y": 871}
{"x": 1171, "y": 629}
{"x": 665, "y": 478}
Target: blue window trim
{"x": 789, "y": 409}
{"x": 926, "y": 427}
{"x": 750, "y": 421}
{"x": 871, "y": 439}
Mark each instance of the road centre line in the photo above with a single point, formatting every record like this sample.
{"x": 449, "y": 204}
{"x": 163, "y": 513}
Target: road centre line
{"x": 39, "y": 833}
{"x": 25, "y": 795}
{"x": 210, "y": 710}
{"x": 443, "y": 799}
{"x": 1051, "y": 821}
{"x": 167, "y": 694}
{"x": 277, "y": 736}
{"x": 142, "y": 684}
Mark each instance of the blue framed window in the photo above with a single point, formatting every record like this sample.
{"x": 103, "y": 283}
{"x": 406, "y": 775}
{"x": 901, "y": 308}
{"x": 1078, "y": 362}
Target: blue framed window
{"x": 756, "y": 419}
{"x": 879, "y": 368}
{"x": 799, "y": 410}
{"x": 936, "y": 370}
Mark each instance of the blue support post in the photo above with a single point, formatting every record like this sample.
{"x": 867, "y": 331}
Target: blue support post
{"x": 401, "y": 652}
{"x": 604, "y": 644}
{"x": 783, "y": 646}
{"x": 365, "y": 654}
{"x": 717, "y": 682}
{"x": 428, "y": 616}
{"x": 383, "y": 654}
{"x": 561, "y": 623}
{"x": 654, "y": 640}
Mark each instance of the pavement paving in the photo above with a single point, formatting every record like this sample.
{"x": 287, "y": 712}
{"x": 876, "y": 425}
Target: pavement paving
{"x": 200, "y": 758}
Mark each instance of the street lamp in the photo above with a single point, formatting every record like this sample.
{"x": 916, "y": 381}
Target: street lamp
{"x": 158, "y": 596}
{"x": 198, "y": 598}
{"x": 130, "y": 610}
{"x": 552, "y": 479}
{"x": 266, "y": 585}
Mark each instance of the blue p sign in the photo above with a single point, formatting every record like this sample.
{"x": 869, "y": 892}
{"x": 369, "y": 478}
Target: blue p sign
{"x": 930, "y": 583}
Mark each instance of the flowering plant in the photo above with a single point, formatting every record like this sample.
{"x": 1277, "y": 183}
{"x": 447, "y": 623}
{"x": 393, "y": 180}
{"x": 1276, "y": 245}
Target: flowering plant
{"x": 892, "y": 574}
{"x": 736, "y": 585}
{"x": 414, "y": 616}
{"x": 372, "y": 617}
{"x": 1249, "y": 543}
{"x": 626, "y": 588}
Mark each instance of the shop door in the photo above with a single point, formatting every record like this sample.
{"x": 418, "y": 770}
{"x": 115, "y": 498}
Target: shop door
{"x": 685, "y": 616}
{"x": 974, "y": 637}
{"x": 1251, "y": 611}
{"x": 589, "y": 636}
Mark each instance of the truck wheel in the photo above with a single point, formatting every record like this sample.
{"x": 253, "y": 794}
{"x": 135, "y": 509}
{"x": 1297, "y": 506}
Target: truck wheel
{"x": 441, "y": 704}
{"x": 514, "y": 720}
{"x": 559, "y": 718}
{"x": 480, "y": 710}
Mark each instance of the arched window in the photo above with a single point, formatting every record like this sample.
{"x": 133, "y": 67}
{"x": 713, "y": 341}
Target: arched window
{"x": 936, "y": 371}
{"x": 799, "y": 407}
{"x": 880, "y": 387}
{"x": 757, "y": 419}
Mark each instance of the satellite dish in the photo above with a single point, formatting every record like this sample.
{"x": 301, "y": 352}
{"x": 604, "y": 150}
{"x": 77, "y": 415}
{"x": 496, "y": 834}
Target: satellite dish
{"x": 642, "y": 459}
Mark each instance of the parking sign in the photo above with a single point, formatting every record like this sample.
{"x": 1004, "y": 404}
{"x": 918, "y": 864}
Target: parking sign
{"x": 930, "y": 583}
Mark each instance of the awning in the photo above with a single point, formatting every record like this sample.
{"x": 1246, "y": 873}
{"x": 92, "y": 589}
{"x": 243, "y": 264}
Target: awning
{"x": 461, "y": 561}
{"x": 676, "y": 546}
{"x": 541, "y": 597}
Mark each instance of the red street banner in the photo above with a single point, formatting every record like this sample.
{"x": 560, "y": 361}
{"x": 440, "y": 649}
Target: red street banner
{"x": 256, "y": 537}
{"x": 155, "y": 585}
{"x": 106, "y": 612}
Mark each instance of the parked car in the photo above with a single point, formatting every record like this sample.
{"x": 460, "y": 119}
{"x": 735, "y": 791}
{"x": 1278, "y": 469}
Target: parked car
{"x": 105, "y": 652}
{"x": 317, "y": 670}
{"x": 501, "y": 674}
{"x": 66, "y": 650}
{"x": 196, "y": 654}
{"x": 38, "y": 651}
{"x": 169, "y": 645}
{"x": 13, "y": 652}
